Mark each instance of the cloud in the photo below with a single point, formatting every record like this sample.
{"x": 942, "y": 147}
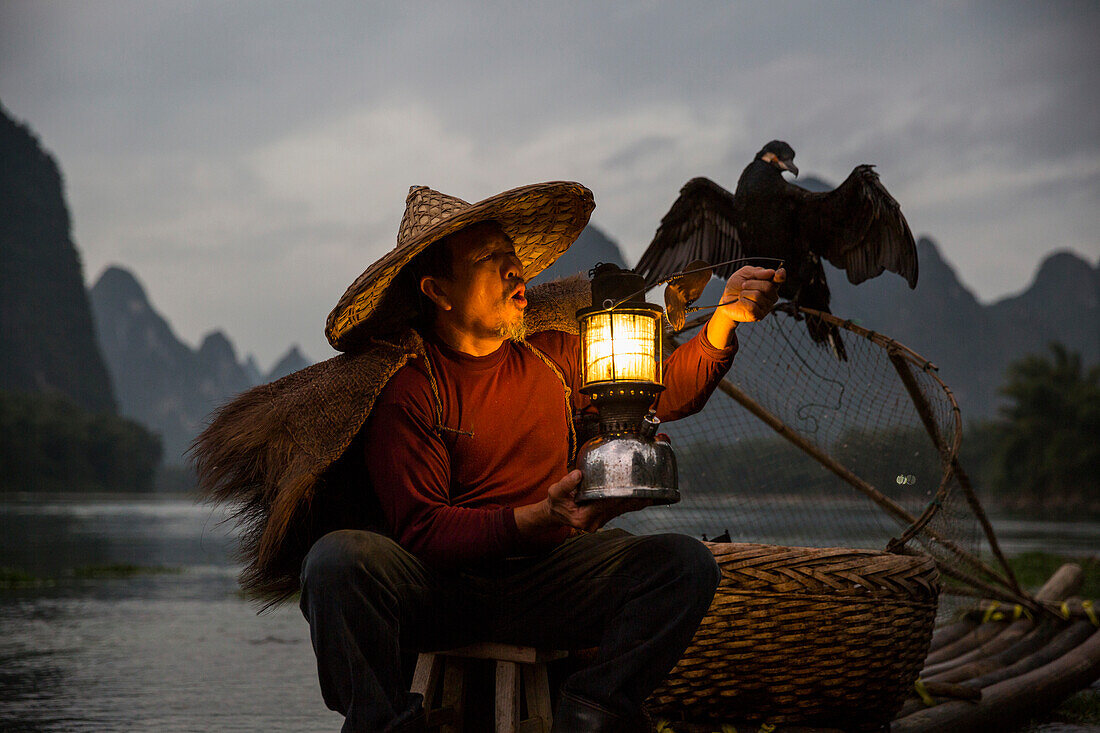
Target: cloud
{"x": 249, "y": 160}
{"x": 978, "y": 180}
{"x": 350, "y": 169}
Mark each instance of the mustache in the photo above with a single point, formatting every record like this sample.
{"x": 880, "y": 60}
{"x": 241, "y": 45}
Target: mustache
{"x": 515, "y": 284}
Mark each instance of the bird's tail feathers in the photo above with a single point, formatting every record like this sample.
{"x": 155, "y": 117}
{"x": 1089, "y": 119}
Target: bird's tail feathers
{"x": 827, "y": 334}
{"x": 814, "y": 293}
{"x": 821, "y": 332}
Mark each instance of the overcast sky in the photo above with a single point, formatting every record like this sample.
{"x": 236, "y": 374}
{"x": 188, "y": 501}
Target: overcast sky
{"x": 248, "y": 160}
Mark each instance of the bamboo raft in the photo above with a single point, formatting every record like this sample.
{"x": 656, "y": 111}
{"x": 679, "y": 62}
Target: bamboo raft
{"x": 994, "y": 669}
{"x": 1001, "y": 664}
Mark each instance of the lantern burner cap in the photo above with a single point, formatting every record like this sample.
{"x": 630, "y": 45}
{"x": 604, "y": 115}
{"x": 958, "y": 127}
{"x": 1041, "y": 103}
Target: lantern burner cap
{"x": 612, "y": 285}
{"x": 622, "y": 405}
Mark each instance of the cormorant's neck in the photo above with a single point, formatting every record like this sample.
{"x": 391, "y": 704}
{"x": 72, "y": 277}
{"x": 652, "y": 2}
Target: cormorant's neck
{"x": 761, "y": 172}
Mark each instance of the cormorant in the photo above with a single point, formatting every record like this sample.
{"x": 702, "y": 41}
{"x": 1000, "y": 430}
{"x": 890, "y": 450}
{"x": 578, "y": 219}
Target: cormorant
{"x": 857, "y": 227}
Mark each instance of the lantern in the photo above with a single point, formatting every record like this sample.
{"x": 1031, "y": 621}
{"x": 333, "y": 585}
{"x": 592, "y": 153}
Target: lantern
{"x": 621, "y": 371}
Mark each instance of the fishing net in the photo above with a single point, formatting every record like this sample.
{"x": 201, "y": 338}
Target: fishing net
{"x": 800, "y": 448}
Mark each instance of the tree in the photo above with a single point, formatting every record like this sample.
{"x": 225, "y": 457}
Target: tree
{"x": 48, "y": 443}
{"x": 1050, "y": 434}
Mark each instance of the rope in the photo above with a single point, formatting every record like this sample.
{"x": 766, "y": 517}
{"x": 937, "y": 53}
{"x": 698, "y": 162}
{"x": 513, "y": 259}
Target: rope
{"x": 923, "y": 693}
{"x": 1088, "y": 608}
{"x": 568, "y": 397}
{"x": 438, "y": 403}
{"x": 1018, "y": 611}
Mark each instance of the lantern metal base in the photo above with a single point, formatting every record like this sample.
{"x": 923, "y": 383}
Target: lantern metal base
{"x": 627, "y": 467}
{"x": 657, "y": 496}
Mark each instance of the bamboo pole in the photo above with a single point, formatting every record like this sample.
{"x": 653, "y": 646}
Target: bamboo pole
{"x": 1034, "y": 640}
{"x": 884, "y": 502}
{"x": 1067, "y": 639}
{"x": 985, "y": 672}
{"x": 1041, "y": 644}
{"x": 1078, "y": 608}
{"x": 1054, "y": 642}
{"x": 947, "y": 634}
{"x": 1005, "y": 703}
{"x": 1011, "y": 634}
{"x": 977, "y": 637}
{"x": 1063, "y": 582}
{"x": 902, "y": 366}
{"x": 1066, "y": 580}
{"x": 947, "y": 689}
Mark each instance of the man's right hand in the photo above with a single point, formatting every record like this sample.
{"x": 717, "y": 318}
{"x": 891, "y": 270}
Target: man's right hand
{"x": 559, "y": 508}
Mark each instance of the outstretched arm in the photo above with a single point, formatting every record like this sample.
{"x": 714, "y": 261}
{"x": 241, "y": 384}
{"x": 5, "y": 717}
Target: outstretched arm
{"x": 750, "y": 294}
{"x": 694, "y": 370}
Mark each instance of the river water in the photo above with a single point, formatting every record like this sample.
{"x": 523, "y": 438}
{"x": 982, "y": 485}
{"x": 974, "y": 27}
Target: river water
{"x": 88, "y": 645}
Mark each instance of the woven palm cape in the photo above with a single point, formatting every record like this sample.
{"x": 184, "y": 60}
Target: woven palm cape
{"x": 287, "y": 455}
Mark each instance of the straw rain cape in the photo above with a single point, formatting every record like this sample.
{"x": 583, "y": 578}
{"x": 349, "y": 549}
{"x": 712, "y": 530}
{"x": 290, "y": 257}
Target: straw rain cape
{"x": 287, "y": 454}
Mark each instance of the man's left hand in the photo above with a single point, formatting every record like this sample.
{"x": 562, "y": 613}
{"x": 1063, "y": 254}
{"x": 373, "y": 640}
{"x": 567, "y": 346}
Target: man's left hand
{"x": 751, "y": 293}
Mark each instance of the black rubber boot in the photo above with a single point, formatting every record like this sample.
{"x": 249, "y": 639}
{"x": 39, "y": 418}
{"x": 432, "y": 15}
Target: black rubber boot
{"x": 580, "y": 716}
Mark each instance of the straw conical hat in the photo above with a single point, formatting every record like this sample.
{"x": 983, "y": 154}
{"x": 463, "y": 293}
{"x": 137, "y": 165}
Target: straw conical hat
{"x": 542, "y": 220}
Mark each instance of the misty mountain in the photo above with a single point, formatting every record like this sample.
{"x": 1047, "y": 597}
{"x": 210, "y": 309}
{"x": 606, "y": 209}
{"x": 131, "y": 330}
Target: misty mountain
{"x": 47, "y": 340}
{"x": 1062, "y": 304}
{"x": 940, "y": 319}
{"x": 591, "y": 247}
{"x": 252, "y": 370}
{"x": 160, "y": 381}
{"x": 164, "y": 384}
{"x": 292, "y": 361}
{"x": 972, "y": 344}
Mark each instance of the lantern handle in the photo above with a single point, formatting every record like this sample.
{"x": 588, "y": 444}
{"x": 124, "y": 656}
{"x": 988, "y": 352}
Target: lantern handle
{"x": 676, "y": 275}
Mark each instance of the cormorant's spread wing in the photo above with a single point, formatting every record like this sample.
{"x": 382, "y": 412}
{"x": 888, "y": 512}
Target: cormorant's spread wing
{"x": 859, "y": 228}
{"x": 699, "y": 226}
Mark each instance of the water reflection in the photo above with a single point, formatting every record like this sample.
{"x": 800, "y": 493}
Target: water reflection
{"x": 171, "y": 651}
{"x": 44, "y": 537}
{"x": 181, "y": 651}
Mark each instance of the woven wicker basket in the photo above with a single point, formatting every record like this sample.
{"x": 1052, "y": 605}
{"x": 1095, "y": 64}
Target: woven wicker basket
{"x": 831, "y": 637}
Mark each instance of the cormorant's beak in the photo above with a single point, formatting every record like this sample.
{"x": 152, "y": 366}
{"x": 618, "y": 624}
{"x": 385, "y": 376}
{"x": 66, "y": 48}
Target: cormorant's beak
{"x": 790, "y": 166}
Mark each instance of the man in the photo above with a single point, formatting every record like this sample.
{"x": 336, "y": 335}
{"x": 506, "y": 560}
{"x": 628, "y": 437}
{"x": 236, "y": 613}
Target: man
{"x": 468, "y": 451}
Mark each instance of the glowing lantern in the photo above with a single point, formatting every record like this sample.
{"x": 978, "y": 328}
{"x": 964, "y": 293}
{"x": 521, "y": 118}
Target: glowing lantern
{"x": 621, "y": 371}
{"x": 622, "y": 345}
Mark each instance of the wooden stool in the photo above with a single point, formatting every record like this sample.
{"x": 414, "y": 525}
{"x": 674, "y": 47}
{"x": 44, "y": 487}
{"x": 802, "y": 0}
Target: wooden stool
{"x": 516, "y": 667}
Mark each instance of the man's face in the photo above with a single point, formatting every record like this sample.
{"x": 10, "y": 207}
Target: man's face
{"x": 486, "y": 290}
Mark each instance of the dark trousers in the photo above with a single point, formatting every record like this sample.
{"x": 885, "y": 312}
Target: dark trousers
{"x": 639, "y": 599}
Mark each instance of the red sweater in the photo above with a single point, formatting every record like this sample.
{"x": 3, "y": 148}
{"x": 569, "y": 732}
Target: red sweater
{"x": 448, "y": 494}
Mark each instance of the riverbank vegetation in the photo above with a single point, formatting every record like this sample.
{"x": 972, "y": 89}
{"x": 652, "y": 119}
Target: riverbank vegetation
{"x": 1042, "y": 455}
{"x": 47, "y": 443}
{"x": 1033, "y": 569}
